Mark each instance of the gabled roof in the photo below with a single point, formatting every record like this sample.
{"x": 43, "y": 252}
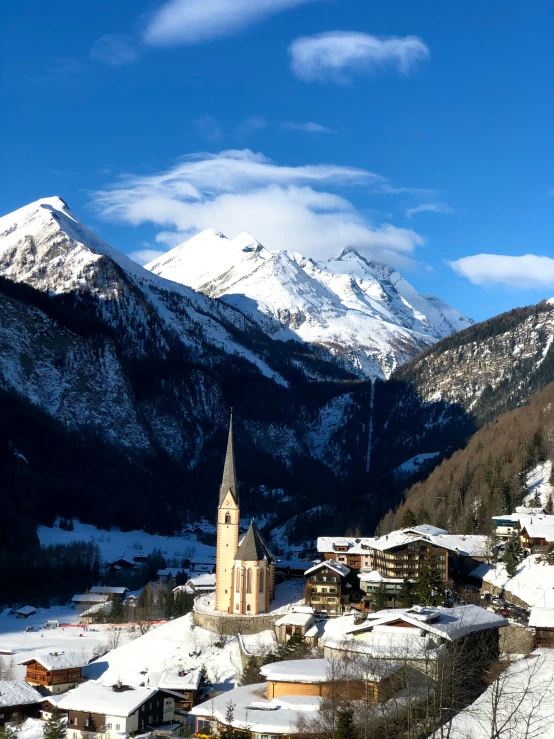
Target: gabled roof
{"x": 229, "y": 481}
{"x": 253, "y": 547}
{"x": 109, "y": 589}
{"x": 16, "y": 693}
{"x": 541, "y": 618}
{"x": 27, "y": 610}
{"x": 330, "y": 564}
{"x": 90, "y": 598}
{"x": 95, "y": 697}
{"x": 58, "y": 660}
{"x": 173, "y": 680}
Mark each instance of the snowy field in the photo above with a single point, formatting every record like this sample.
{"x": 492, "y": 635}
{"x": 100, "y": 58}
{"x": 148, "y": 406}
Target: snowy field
{"x": 115, "y": 544}
{"x": 533, "y": 581}
{"x": 538, "y": 482}
{"x": 24, "y": 645}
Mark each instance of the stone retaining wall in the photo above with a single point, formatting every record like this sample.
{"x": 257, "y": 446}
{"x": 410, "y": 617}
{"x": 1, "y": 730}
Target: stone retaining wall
{"x": 223, "y": 623}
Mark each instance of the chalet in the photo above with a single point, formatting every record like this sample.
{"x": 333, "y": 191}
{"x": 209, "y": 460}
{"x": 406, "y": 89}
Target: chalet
{"x": 112, "y": 711}
{"x": 293, "y": 692}
{"x": 198, "y": 585}
{"x": 201, "y": 567}
{"x": 508, "y": 523}
{"x": 55, "y": 671}
{"x": 298, "y": 622}
{"x": 25, "y": 612}
{"x": 185, "y": 687}
{"x": 420, "y": 636}
{"x": 122, "y": 563}
{"x": 326, "y": 587}
{"x": 82, "y": 601}
{"x": 18, "y": 701}
{"x": 109, "y": 590}
{"x": 353, "y": 552}
{"x": 400, "y": 555}
{"x": 537, "y": 535}
{"x": 542, "y": 620}
{"x": 98, "y": 613}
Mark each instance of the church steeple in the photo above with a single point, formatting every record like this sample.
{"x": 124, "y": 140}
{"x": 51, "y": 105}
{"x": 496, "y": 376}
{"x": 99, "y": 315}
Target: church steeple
{"x": 229, "y": 481}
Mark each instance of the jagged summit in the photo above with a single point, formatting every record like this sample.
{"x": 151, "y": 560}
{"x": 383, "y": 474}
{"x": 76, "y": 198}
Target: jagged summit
{"x": 363, "y": 312}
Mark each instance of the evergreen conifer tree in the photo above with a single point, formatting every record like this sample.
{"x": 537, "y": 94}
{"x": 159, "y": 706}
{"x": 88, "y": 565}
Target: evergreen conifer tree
{"x": 55, "y": 727}
{"x": 408, "y": 519}
{"x": 405, "y": 595}
{"x": 550, "y": 503}
{"x": 549, "y": 554}
{"x": 430, "y": 584}
{"x": 379, "y": 599}
{"x": 536, "y": 502}
{"x": 345, "y": 728}
{"x": 513, "y": 554}
{"x": 6, "y": 732}
{"x": 116, "y": 613}
{"x": 169, "y": 600}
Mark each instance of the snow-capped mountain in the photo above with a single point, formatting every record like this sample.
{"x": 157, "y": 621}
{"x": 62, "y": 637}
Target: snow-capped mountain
{"x": 364, "y": 313}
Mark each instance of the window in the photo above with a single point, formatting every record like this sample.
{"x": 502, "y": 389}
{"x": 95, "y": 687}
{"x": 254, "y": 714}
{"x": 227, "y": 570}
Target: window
{"x": 74, "y": 734}
{"x": 249, "y": 580}
{"x": 74, "y": 721}
{"x": 237, "y": 583}
{"x": 86, "y": 722}
{"x": 288, "y": 629}
{"x": 248, "y": 607}
{"x": 261, "y": 583}
{"x": 117, "y": 727}
{"x": 227, "y": 517}
{"x": 109, "y": 726}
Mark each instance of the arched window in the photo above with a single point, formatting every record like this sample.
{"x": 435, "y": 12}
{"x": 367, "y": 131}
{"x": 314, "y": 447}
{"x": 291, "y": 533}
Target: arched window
{"x": 262, "y": 580}
{"x": 237, "y": 587}
{"x": 227, "y": 517}
{"x": 249, "y": 580}
{"x": 248, "y": 607}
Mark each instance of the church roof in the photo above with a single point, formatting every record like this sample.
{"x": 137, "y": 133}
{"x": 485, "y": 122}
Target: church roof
{"x": 253, "y": 548}
{"x": 229, "y": 481}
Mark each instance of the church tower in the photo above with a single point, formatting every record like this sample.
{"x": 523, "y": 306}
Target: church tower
{"x": 228, "y": 514}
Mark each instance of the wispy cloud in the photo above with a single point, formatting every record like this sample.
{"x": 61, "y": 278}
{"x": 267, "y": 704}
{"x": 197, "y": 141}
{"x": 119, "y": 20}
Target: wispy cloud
{"x": 179, "y": 22}
{"x": 209, "y": 128}
{"x": 143, "y": 256}
{"x": 337, "y": 54}
{"x": 283, "y": 206}
{"x": 430, "y": 208}
{"x": 250, "y": 125}
{"x": 115, "y": 50}
{"x": 309, "y": 127}
{"x": 523, "y": 273}
{"x": 63, "y": 69}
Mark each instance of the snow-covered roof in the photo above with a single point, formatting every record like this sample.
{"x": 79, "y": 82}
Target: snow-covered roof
{"x": 519, "y": 704}
{"x": 295, "y": 619}
{"x": 395, "y": 539}
{"x": 90, "y": 598}
{"x": 59, "y": 660}
{"x": 258, "y": 645}
{"x": 98, "y": 608}
{"x": 322, "y": 671}
{"x": 376, "y": 576}
{"x": 26, "y": 610}
{"x": 96, "y": 697}
{"x": 542, "y": 527}
{"x": 337, "y": 567}
{"x": 254, "y": 712}
{"x": 176, "y": 679}
{"x": 355, "y": 545}
{"x": 109, "y": 589}
{"x": 203, "y": 581}
{"x": 466, "y": 544}
{"x": 17, "y": 693}
{"x": 541, "y": 618}
{"x": 173, "y": 571}
{"x": 426, "y": 529}
{"x": 533, "y": 582}
{"x": 449, "y": 623}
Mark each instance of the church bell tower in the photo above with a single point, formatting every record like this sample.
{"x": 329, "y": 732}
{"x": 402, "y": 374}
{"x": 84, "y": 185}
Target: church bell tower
{"x": 228, "y": 514}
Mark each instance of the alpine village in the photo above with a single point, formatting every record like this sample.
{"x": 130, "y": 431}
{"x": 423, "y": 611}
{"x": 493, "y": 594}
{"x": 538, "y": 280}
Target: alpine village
{"x": 277, "y": 370}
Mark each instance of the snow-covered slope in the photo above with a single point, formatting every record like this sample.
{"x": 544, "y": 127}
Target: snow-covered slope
{"x": 364, "y": 313}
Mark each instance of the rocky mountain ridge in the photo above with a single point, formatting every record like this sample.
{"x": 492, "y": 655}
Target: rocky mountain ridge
{"x": 364, "y": 313}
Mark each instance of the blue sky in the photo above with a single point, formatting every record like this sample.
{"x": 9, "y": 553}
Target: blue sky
{"x": 420, "y": 132}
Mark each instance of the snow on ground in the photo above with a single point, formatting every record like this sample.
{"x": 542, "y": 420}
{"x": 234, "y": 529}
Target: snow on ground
{"x": 533, "y": 582}
{"x": 31, "y": 728}
{"x": 177, "y": 644}
{"x": 115, "y": 544}
{"x": 279, "y": 536}
{"x": 519, "y": 705}
{"x": 538, "y": 482}
{"x": 410, "y": 465}
{"x": 24, "y": 645}
{"x": 258, "y": 645}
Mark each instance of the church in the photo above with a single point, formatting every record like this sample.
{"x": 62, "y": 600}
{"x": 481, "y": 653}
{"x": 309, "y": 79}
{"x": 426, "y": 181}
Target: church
{"x": 245, "y": 569}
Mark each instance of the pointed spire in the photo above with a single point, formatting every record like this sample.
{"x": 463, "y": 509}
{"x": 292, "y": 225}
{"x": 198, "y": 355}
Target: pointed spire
{"x": 229, "y": 481}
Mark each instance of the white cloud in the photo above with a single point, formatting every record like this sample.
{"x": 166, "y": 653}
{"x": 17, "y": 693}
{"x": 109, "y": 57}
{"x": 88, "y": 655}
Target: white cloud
{"x": 115, "y": 50}
{"x": 283, "y": 207}
{"x": 335, "y": 54}
{"x": 250, "y": 125}
{"x": 430, "y": 208}
{"x": 309, "y": 127}
{"x": 527, "y": 272}
{"x": 143, "y": 256}
{"x": 193, "y": 21}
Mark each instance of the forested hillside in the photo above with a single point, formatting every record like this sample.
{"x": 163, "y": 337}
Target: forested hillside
{"x": 488, "y": 476}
